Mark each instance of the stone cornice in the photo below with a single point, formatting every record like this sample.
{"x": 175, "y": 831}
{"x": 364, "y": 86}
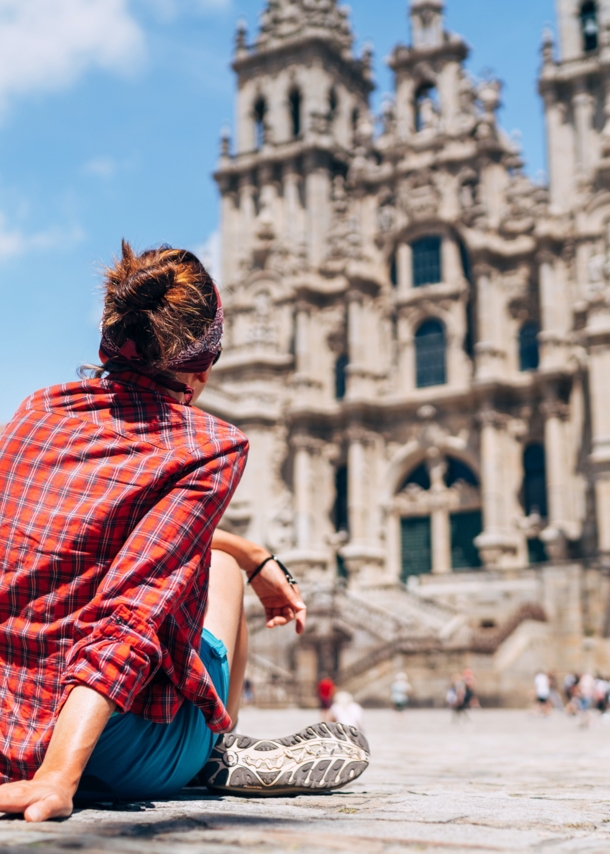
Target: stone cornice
{"x": 405, "y": 58}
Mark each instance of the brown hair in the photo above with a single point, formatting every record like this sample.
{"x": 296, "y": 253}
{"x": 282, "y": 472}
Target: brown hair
{"x": 163, "y": 300}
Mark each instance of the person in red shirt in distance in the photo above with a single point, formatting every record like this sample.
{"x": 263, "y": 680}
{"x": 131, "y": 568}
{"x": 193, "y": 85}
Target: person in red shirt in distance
{"x": 122, "y": 633}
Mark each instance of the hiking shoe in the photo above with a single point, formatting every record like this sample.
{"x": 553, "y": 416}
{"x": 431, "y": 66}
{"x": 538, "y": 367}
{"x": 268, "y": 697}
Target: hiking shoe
{"x": 323, "y": 756}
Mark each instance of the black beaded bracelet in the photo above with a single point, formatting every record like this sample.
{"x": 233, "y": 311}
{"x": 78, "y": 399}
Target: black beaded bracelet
{"x": 289, "y": 577}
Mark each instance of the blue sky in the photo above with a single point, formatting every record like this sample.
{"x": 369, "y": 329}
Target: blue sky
{"x": 110, "y": 112}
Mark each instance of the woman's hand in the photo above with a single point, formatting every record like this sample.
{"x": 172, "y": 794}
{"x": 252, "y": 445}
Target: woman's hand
{"x": 282, "y": 601}
{"x": 78, "y": 727}
{"x": 39, "y": 799}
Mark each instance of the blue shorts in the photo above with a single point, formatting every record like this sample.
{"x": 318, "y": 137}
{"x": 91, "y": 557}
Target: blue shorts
{"x": 139, "y": 760}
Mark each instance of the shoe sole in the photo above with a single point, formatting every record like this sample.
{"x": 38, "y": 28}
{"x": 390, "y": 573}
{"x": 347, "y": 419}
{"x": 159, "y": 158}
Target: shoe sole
{"x": 322, "y": 757}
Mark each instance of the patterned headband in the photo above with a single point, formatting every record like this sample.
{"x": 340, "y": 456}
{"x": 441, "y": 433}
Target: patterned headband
{"x": 196, "y": 358}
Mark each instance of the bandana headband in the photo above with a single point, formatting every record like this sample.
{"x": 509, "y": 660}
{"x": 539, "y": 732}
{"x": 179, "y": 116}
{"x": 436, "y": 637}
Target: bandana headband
{"x": 197, "y": 358}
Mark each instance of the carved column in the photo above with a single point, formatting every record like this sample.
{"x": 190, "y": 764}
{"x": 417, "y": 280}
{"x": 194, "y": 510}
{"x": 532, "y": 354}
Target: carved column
{"x": 291, "y": 203}
{"x": 229, "y": 230}
{"x": 582, "y": 104}
{"x": 357, "y": 485}
{"x": 598, "y": 340}
{"x": 490, "y": 357}
{"x": 440, "y": 524}
{"x": 555, "y": 412}
{"x": 302, "y": 491}
{"x": 301, "y": 343}
{"x": 317, "y": 192}
{"x": 404, "y": 263}
{"x": 247, "y": 210}
{"x": 497, "y": 547}
{"x": 451, "y": 262}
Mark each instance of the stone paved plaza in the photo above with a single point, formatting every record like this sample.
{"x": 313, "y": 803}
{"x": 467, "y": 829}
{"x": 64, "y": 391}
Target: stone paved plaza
{"x": 504, "y": 781}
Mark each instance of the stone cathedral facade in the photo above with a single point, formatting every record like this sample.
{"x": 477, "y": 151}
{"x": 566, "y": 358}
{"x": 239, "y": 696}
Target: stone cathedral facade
{"x": 418, "y": 347}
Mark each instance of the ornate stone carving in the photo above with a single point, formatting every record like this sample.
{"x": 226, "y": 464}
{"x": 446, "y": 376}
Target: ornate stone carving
{"x": 419, "y": 195}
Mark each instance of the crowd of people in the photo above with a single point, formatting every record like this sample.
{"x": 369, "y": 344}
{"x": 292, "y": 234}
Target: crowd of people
{"x": 582, "y": 694}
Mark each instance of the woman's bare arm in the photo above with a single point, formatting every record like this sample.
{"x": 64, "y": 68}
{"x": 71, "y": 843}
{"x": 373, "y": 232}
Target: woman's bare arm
{"x": 282, "y": 601}
{"x": 49, "y": 793}
{"x": 247, "y": 554}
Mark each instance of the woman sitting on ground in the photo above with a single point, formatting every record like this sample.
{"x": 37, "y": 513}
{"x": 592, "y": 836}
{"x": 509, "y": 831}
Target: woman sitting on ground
{"x": 122, "y": 631}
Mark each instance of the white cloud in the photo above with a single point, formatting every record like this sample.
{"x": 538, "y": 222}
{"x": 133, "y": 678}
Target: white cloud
{"x": 210, "y": 255}
{"x": 14, "y": 242}
{"x": 166, "y": 10}
{"x": 48, "y": 44}
{"x": 101, "y": 167}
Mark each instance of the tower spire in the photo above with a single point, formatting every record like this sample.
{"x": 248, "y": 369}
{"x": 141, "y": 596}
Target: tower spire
{"x": 284, "y": 20}
{"x": 427, "y": 22}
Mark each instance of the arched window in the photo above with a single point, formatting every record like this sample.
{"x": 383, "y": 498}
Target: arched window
{"x": 355, "y": 121}
{"x": 534, "y": 481}
{"x": 529, "y": 355}
{"x": 333, "y": 105}
{"x": 340, "y": 510}
{"x": 589, "y": 25}
{"x": 427, "y": 266}
{"x": 341, "y": 376}
{"x": 260, "y": 111}
{"x": 295, "y": 99}
{"x": 458, "y": 471}
{"x": 394, "y": 270}
{"x": 420, "y": 476}
{"x": 430, "y": 354}
{"x": 426, "y": 107}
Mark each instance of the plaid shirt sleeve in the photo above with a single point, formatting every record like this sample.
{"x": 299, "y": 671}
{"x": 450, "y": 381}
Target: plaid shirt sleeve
{"x": 117, "y": 646}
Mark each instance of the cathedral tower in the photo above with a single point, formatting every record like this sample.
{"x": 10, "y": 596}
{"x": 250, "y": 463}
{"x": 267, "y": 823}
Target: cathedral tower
{"x": 418, "y": 341}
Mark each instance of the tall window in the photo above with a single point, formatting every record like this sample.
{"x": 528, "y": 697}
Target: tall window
{"x": 333, "y": 105}
{"x": 260, "y": 111}
{"x": 426, "y": 107}
{"x": 394, "y": 270}
{"x": 341, "y": 376}
{"x": 416, "y": 546}
{"x": 465, "y": 528}
{"x": 529, "y": 354}
{"x": 295, "y": 100}
{"x": 430, "y": 354}
{"x": 589, "y": 25}
{"x": 534, "y": 481}
{"x": 341, "y": 517}
{"x": 427, "y": 267}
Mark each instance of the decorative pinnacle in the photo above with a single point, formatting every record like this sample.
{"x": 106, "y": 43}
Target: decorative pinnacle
{"x": 548, "y": 44}
{"x": 241, "y": 34}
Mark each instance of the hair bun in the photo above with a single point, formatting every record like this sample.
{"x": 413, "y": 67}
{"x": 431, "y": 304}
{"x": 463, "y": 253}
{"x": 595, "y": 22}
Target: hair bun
{"x": 142, "y": 290}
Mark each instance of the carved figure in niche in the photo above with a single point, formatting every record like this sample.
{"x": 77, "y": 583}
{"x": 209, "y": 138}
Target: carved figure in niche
{"x": 344, "y": 238}
{"x": 280, "y": 528}
{"x": 467, "y": 102}
{"x": 261, "y": 330}
{"x": 419, "y": 195}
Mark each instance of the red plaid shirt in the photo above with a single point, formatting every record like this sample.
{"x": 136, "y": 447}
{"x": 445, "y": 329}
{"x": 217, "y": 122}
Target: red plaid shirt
{"x": 110, "y": 491}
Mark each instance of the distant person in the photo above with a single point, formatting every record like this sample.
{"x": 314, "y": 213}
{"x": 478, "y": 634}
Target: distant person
{"x": 345, "y": 710}
{"x": 471, "y": 701}
{"x": 554, "y": 695}
{"x": 326, "y": 691}
{"x": 455, "y": 692}
{"x": 400, "y": 691}
{"x": 585, "y": 694}
{"x": 570, "y": 681}
{"x": 248, "y": 693}
{"x": 542, "y": 688}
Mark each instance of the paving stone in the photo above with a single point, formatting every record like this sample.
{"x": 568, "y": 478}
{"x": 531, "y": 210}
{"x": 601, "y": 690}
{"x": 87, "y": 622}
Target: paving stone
{"x": 503, "y": 781}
